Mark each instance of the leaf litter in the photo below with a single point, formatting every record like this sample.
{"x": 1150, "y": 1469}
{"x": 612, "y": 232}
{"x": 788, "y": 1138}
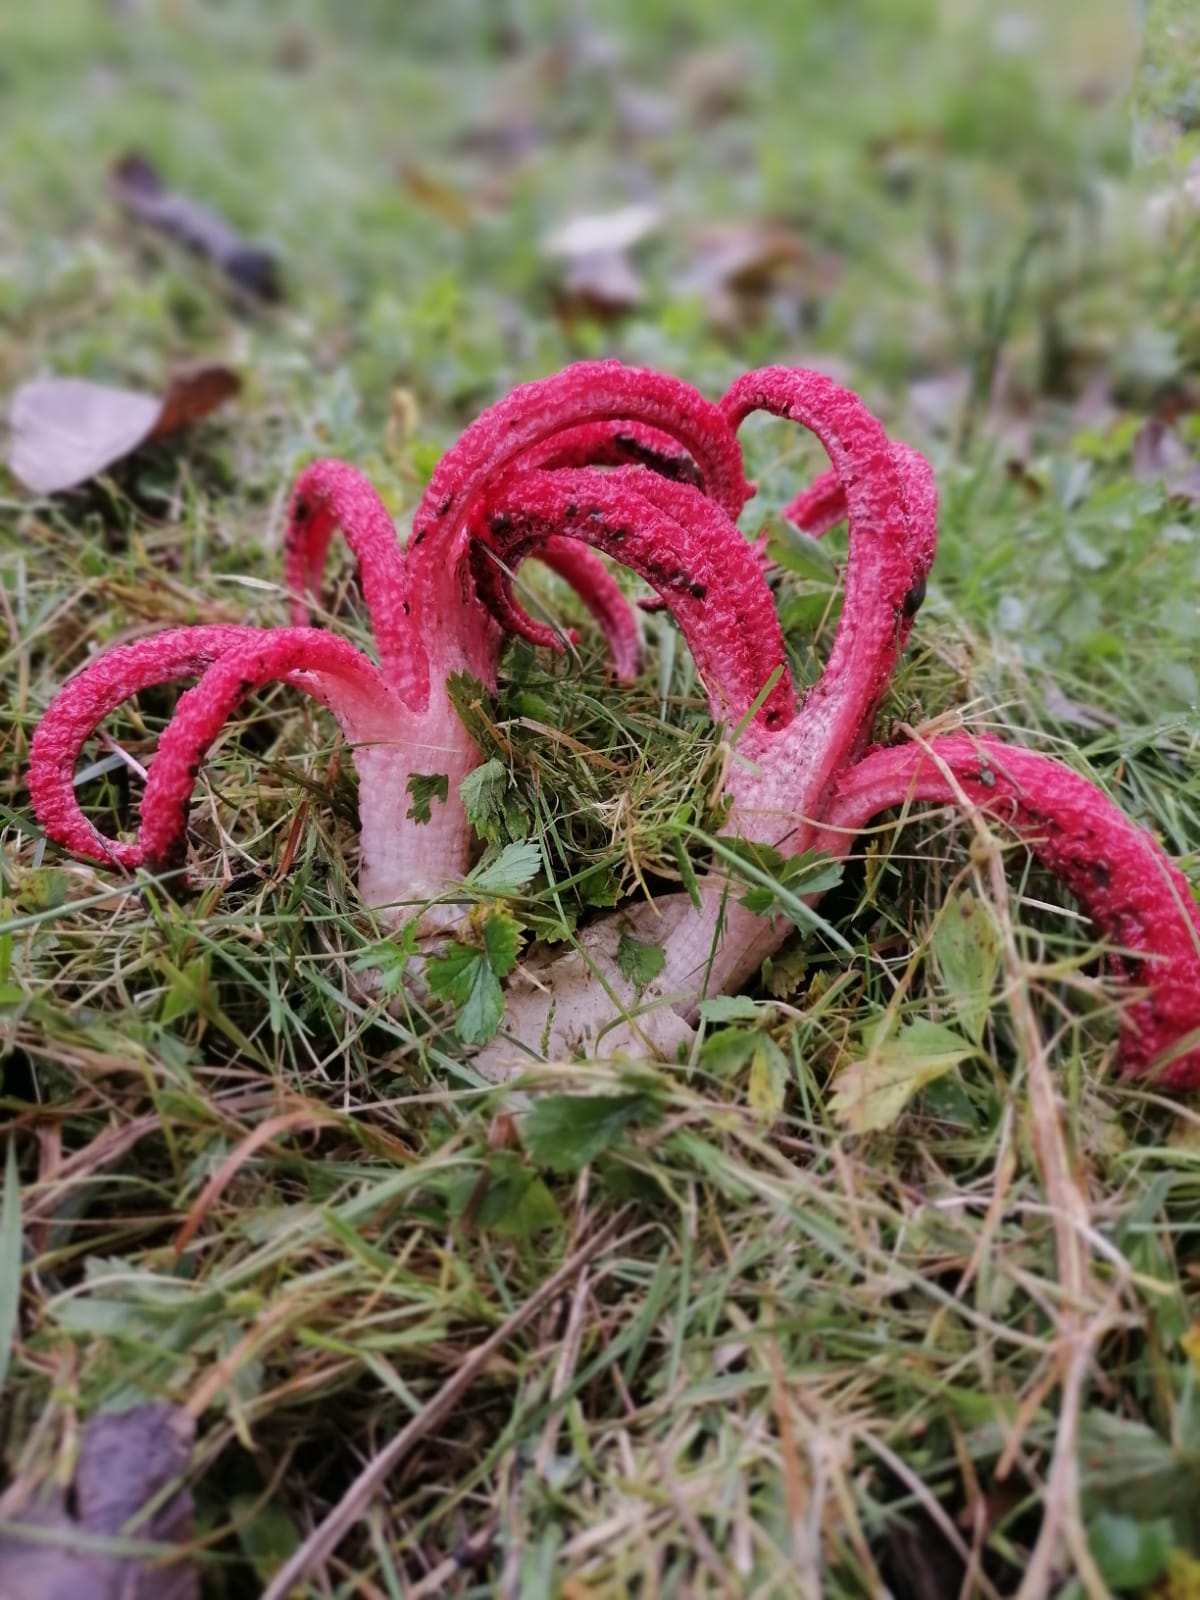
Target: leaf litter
{"x": 66, "y": 431}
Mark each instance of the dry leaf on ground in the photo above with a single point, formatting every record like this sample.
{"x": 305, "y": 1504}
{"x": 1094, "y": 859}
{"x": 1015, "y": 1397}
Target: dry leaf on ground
{"x": 445, "y": 201}
{"x": 251, "y": 269}
{"x": 126, "y": 1461}
{"x": 65, "y": 431}
{"x": 1160, "y": 456}
{"x": 592, "y": 254}
{"x": 734, "y": 266}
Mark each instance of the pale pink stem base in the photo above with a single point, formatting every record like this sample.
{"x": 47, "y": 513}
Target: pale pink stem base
{"x": 403, "y": 863}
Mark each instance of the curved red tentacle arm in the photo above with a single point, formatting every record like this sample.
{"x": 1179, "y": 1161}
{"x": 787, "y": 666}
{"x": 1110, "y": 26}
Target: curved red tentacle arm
{"x": 328, "y": 496}
{"x": 618, "y": 444}
{"x": 683, "y": 545}
{"x": 1113, "y": 867}
{"x": 593, "y": 444}
{"x": 891, "y": 505}
{"x": 595, "y": 586}
{"x": 819, "y": 507}
{"x": 588, "y": 393}
{"x": 322, "y": 665}
{"x": 82, "y": 704}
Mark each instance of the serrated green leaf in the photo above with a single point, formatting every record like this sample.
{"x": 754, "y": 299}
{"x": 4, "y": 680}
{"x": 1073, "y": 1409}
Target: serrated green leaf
{"x": 483, "y": 794}
{"x": 390, "y": 958}
{"x": 481, "y": 1012}
{"x": 785, "y": 971}
{"x": 639, "y": 961}
{"x": 1129, "y": 1553}
{"x": 464, "y": 977}
{"x": 516, "y": 1204}
{"x": 425, "y": 788}
{"x": 727, "y": 1051}
{"x": 779, "y": 884}
{"x": 473, "y": 704}
{"x": 730, "y": 1008}
{"x": 492, "y": 805}
{"x": 871, "y": 1093}
{"x": 468, "y": 976}
{"x": 1131, "y": 1469}
{"x": 564, "y": 1132}
{"x": 515, "y": 866}
{"x": 601, "y": 887}
{"x": 769, "y": 1074}
{"x": 501, "y": 942}
{"x": 966, "y": 946}
{"x": 760, "y": 857}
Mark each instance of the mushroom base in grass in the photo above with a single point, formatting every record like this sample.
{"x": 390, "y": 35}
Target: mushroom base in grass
{"x": 641, "y": 468}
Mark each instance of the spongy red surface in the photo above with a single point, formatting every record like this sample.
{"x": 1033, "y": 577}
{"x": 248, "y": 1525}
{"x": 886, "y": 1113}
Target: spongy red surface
{"x": 683, "y": 545}
{"x": 1113, "y": 867}
{"x": 83, "y": 703}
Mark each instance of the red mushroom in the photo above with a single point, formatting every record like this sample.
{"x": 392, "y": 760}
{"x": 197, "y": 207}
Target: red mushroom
{"x": 809, "y": 785}
{"x": 427, "y": 616}
{"x": 642, "y": 468}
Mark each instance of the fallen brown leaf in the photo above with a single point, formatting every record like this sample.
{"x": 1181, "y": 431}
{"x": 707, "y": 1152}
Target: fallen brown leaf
{"x": 1160, "y": 456}
{"x": 251, "y": 269}
{"x": 126, "y": 1461}
{"x": 733, "y": 266}
{"x": 448, "y": 203}
{"x": 596, "y": 274}
{"x": 715, "y": 82}
{"x": 192, "y": 394}
{"x": 65, "y": 431}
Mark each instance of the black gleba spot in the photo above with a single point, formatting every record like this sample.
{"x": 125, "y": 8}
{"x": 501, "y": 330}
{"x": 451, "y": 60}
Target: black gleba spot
{"x": 914, "y": 599}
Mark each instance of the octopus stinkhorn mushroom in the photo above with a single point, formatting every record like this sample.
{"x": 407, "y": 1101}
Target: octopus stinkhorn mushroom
{"x": 642, "y": 468}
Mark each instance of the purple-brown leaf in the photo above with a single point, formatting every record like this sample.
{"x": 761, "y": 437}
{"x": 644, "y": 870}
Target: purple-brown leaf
{"x": 66, "y": 431}
{"x": 126, "y": 1462}
{"x": 141, "y": 190}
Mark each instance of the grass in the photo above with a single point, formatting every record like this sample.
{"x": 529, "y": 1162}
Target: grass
{"x": 955, "y": 1355}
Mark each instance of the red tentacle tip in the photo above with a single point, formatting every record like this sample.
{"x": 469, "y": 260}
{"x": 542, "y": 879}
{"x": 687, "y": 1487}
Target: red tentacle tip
{"x": 1116, "y": 870}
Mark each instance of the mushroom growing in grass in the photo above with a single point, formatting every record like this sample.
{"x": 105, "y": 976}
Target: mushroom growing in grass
{"x": 805, "y": 780}
{"x": 429, "y": 617}
{"x": 642, "y": 468}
